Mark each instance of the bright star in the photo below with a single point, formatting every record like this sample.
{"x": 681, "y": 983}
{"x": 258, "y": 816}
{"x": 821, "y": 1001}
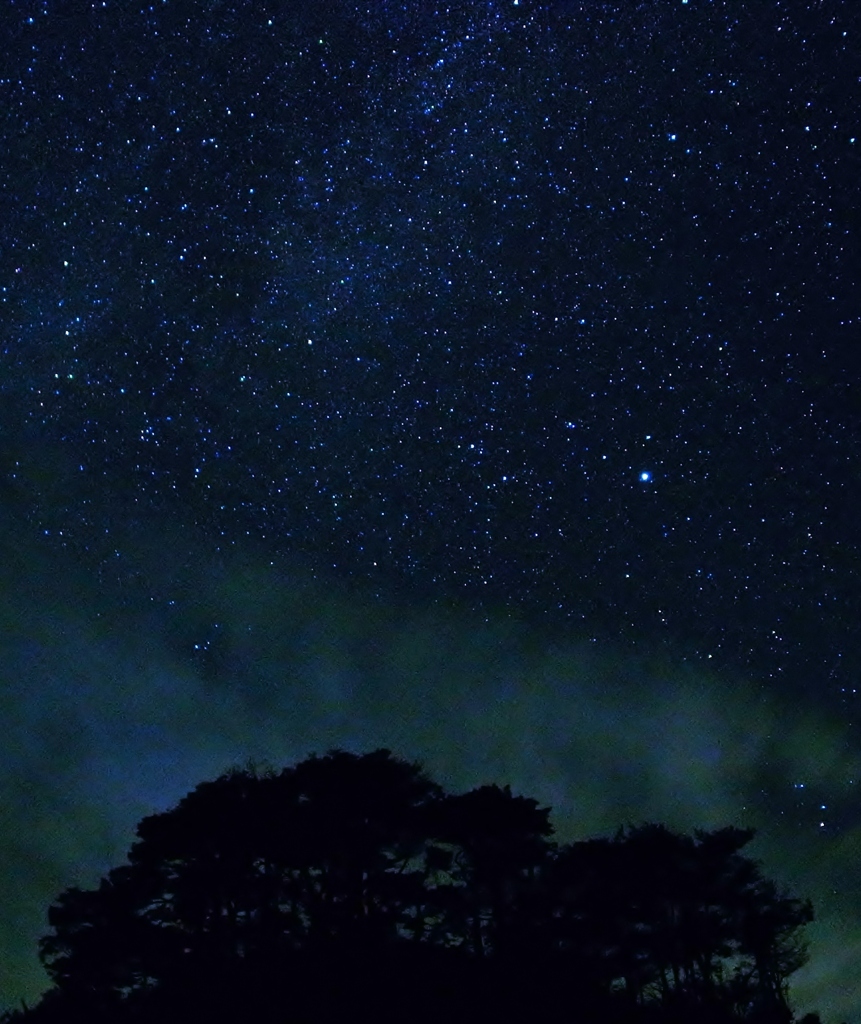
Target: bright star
{"x": 645, "y": 476}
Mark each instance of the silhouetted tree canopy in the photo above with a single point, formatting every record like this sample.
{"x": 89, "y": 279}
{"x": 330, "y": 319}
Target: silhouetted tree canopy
{"x": 352, "y": 888}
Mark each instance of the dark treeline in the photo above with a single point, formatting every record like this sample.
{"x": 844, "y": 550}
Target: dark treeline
{"x": 354, "y": 888}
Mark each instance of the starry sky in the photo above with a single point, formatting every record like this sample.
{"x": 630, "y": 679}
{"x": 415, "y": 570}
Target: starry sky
{"x": 472, "y": 379}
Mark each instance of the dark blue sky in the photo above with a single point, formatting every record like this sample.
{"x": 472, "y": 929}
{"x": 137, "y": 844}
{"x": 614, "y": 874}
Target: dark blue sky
{"x": 544, "y": 310}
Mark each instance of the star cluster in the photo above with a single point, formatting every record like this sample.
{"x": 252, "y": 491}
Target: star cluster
{"x": 422, "y": 289}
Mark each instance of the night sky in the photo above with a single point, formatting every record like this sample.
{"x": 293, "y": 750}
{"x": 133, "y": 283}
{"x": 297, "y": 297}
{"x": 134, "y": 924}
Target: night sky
{"x": 477, "y": 380}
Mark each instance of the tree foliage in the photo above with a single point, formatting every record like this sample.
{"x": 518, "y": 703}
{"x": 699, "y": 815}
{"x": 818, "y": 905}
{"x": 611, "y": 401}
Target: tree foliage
{"x": 352, "y": 887}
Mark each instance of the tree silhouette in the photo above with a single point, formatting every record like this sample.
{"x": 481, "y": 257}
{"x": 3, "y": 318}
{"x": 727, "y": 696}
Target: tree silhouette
{"x": 497, "y": 844}
{"x": 351, "y": 886}
{"x": 317, "y": 852}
